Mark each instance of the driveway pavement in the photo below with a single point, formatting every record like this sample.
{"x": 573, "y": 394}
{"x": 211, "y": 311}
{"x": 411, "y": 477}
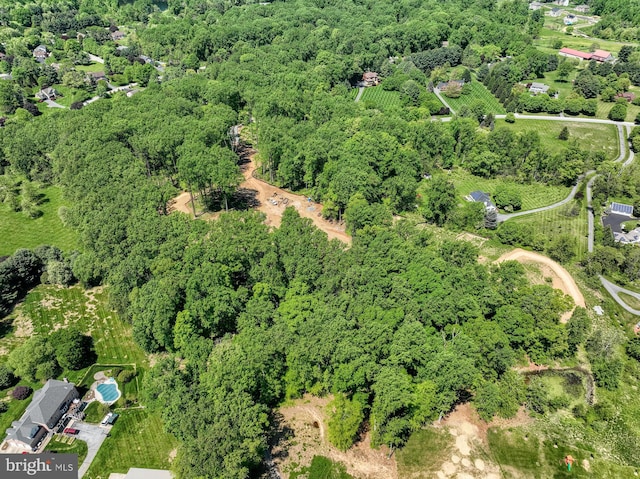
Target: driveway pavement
{"x": 94, "y": 436}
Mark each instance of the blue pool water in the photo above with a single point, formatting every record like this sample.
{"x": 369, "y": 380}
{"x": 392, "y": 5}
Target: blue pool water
{"x": 108, "y": 391}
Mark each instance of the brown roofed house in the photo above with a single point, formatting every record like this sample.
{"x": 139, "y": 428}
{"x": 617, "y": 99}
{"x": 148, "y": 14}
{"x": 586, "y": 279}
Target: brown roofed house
{"x": 370, "y": 79}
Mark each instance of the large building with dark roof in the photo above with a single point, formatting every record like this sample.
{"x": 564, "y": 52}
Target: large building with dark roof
{"x": 47, "y": 408}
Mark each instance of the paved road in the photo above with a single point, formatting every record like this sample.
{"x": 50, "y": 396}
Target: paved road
{"x": 614, "y": 290}
{"x": 94, "y": 436}
{"x": 444, "y": 102}
{"x": 94, "y": 58}
{"x": 113, "y": 90}
{"x": 569, "y": 119}
{"x": 359, "y": 95}
{"x": 53, "y": 104}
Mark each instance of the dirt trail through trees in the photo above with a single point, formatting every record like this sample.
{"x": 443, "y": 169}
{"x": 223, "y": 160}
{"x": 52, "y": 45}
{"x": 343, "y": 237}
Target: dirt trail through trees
{"x": 561, "y": 279}
{"x": 271, "y": 200}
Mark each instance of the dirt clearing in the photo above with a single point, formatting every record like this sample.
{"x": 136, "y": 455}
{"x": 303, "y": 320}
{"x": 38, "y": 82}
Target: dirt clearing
{"x": 560, "y": 277}
{"x": 301, "y": 434}
{"x": 270, "y": 200}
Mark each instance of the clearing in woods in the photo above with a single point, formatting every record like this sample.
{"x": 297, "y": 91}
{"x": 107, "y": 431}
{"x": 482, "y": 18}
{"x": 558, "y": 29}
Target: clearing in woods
{"x": 272, "y": 201}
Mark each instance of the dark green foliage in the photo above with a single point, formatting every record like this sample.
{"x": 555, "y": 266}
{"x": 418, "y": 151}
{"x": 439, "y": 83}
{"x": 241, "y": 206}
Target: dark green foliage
{"x": 564, "y": 134}
{"x": 18, "y": 274}
{"x": 6, "y": 376}
{"x": 633, "y": 348}
{"x": 21, "y": 392}
{"x": 618, "y": 112}
{"x": 537, "y": 396}
{"x": 125, "y": 376}
{"x": 440, "y": 200}
{"x": 507, "y": 197}
{"x": 73, "y": 350}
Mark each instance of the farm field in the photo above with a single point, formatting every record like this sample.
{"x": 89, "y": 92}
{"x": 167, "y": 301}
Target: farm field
{"x": 591, "y": 136}
{"x": 533, "y": 195}
{"x": 380, "y": 98}
{"x": 560, "y": 221}
{"x": 137, "y": 440}
{"x": 478, "y": 92}
{"x": 18, "y": 231}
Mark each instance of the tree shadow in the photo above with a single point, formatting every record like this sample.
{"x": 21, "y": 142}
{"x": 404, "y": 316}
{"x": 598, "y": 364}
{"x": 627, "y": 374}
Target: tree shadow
{"x": 242, "y": 199}
{"x": 279, "y": 436}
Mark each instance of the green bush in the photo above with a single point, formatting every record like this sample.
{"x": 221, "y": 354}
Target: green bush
{"x": 510, "y": 118}
{"x": 125, "y": 376}
{"x": 618, "y": 112}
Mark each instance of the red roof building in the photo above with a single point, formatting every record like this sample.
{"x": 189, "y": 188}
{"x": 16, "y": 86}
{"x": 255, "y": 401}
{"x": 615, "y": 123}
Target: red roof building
{"x": 598, "y": 55}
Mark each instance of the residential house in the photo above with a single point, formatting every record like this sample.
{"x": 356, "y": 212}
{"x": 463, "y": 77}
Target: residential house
{"x": 570, "y": 19}
{"x": 537, "y": 88}
{"x": 602, "y": 56}
{"x": 490, "y": 210}
{"x": 42, "y": 415}
{"x": 582, "y": 8}
{"x": 47, "y": 94}
{"x": 370, "y": 79}
{"x": 117, "y": 35}
{"x": 40, "y": 53}
{"x": 95, "y": 77}
{"x": 627, "y": 95}
{"x": 562, "y": 3}
{"x": 535, "y": 6}
{"x": 571, "y": 53}
{"x": 444, "y": 85}
{"x": 556, "y": 12}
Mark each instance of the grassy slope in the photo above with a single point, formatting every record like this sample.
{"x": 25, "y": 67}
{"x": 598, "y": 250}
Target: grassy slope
{"x": 18, "y": 231}
{"x": 137, "y": 440}
{"x": 478, "y": 93}
{"x": 591, "y": 136}
{"x": 534, "y": 195}
{"x": 556, "y": 222}
{"x": 381, "y": 98}
{"x": 59, "y": 445}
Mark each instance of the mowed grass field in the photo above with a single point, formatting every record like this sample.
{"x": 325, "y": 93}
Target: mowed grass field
{"x": 380, "y": 98}
{"x": 423, "y": 454}
{"x": 533, "y": 195}
{"x": 590, "y": 136}
{"x": 137, "y": 440}
{"x": 477, "y": 92}
{"x": 557, "y": 222}
{"x": 18, "y": 231}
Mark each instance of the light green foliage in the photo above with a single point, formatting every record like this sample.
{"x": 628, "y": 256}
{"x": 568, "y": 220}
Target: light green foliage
{"x": 345, "y": 418}
{"x": 26, "y": 359}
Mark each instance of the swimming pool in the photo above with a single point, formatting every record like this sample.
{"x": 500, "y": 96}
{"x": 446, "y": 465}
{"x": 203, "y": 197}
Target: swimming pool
{"x": 108, "y": 391}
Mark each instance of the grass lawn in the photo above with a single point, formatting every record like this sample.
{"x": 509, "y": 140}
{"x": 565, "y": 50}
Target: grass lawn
{"x": 137, "y": 440}
{"x": 68, "y": 445}
{"x": 590, "y": 136}
{"x": 534, "y": 457}
{"x": 533, "y": 195}
{"x": 478, "y": 92}
{"x": 47, "y": 307}
{"x": 92, "y": 67}
{"x": 630, "y": 300}
{"x": 380, "y": 98}
{"x": 18, "y": 231}
{"x": 605, "y": 107}
{"x": 552, "y": 31}
{"x": 95, "y": 412}
{"x": 423, "y": 454}
{"x": 559, "y": 221}
{"x": 321, "y": 468}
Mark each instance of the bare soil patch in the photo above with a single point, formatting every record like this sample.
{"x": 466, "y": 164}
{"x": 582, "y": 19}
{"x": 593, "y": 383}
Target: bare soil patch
{"x": 560, "y": 277}
{"x": 270, "y": 200}
{"x": 301, "y": 434}
{"x": 23, "y": 326}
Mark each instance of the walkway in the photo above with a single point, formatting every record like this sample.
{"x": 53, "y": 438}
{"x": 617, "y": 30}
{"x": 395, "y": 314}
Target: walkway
{"x": 444, "y": 102}
{"x": 94, "y": 436}
{"x": 614, "y": 291}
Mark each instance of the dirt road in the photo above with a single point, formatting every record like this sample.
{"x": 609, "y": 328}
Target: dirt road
{"x": 272, "y": 201}
{"x": 561, "y": 279}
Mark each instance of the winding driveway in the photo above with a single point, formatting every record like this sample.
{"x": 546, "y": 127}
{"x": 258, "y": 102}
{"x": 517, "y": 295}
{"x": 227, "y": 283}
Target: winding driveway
{"x": 614, "y": 291}
{"x": 442, "y": 100}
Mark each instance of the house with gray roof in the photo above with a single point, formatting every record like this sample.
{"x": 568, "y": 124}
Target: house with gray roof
{"x": 47, "y": 408}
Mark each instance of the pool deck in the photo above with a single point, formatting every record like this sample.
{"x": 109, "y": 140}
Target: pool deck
{"x": 101, "y": 378}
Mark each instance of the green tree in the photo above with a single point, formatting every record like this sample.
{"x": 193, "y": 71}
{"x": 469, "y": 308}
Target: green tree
{"x": 564, "y": 134}
{"x": 345, "y": 418}
{"x": 25, "y": 359}
{"x": 6, "y": 376}
{"x": 440, "y": 200}
{"x": 72, "y": 348}
{"x": 618, "y": 112}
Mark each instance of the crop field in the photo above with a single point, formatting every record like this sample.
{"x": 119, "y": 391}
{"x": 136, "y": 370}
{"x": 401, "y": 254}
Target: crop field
{"x": 533, "y": 195}
{"x": 18, "y": 231}
{"x": 559, "y": 221}
{"x": 478, "y": 92}
{"x": 590, "y": 136}
{"x": 381, "y": 98}
{"x": 137, "y": 440}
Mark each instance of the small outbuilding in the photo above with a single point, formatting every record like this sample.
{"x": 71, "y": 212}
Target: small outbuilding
{"x": 370, "y": 79}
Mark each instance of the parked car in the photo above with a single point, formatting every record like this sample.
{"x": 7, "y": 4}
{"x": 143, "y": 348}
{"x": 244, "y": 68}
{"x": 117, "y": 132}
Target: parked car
{"x": 71, "y": 430}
